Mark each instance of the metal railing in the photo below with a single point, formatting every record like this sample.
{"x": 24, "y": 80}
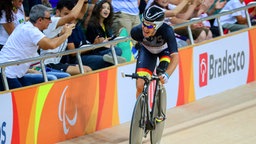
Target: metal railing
{"x": 85, "y": 48}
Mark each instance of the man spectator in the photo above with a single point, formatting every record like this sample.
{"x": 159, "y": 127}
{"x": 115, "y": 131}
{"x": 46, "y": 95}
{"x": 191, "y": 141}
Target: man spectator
{"x": 24, "y": 42}
{"x": 66, "y": 12}
{"x": 126, "y": 14}
{"x": 236, "y": 20}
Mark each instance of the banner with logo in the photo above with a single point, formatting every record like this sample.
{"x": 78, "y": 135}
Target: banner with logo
{"x": 56, "y": 111}
{"x": 221, "y": 65}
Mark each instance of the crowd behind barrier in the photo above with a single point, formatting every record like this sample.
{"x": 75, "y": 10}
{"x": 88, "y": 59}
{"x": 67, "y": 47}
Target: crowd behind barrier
{"x": 85, "y": 48}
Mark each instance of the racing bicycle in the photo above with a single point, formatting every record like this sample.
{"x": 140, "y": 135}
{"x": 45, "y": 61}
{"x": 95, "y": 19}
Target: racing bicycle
{"x": 145, "y": 118}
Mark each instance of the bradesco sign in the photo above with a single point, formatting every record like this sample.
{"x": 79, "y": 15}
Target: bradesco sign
{"x": 221, "y": 65}
{"x": 211, "y": 67}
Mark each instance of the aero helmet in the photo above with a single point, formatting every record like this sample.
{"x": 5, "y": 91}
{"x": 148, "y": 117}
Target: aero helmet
{"x": 154, "y": 14}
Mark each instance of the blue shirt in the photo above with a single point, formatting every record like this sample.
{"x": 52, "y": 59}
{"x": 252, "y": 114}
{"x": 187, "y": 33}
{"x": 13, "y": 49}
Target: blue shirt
{"x": 126, "y": 6}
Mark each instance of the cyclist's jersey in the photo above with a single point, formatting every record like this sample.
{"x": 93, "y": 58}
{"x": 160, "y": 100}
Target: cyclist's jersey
{"x": 161, "y": 45}
{"x": 163, "y": 39}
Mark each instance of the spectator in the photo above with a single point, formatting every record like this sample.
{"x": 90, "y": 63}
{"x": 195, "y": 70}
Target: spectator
{"x": 126, "y": 14}
{"x": 216, "y": 6}
{"x": 11, "y": 15}
{"x": 215, "y": 9}
{"x": 199, "y": 32}
{"x": 99, "y": 31}
{"x": 20, "y": 47}
{"x": 19, "y": 18}
{"x": 87, "y": 16}
{"x": 78, "y": 39}
{"x": 66, "y": 12}
{"x": 235, "y": 21}
{"x": 171, "y": 7}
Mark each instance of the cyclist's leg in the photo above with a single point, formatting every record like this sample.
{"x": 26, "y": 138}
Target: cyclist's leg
{"x": 145, "y": 66}
{"x": 165, "y": 59}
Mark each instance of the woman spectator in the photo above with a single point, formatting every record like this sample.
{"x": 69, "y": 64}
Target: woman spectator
{"x": 76, "y": 40}
{"x": 11, "y": 15}
{"x": 99, "y": 30}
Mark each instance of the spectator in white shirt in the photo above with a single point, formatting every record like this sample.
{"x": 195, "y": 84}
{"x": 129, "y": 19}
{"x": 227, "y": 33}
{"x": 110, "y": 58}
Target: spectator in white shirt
{"x": 24, "y": 42}
{"x": 234, "y": 21}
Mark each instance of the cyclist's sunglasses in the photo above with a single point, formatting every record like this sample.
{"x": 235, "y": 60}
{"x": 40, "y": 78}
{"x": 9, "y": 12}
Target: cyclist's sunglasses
{"x": 149, "y": 26}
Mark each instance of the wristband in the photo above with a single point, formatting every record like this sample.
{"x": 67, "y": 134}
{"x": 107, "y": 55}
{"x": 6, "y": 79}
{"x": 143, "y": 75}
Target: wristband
{"x": 167, "y": 75}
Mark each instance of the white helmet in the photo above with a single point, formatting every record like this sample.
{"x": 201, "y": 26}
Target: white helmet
{"x": 154, "y": 14}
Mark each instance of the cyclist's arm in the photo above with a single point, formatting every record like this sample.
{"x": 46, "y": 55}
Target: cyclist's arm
{"x": 172, "y": 45}
{"x": 173, "y": 63}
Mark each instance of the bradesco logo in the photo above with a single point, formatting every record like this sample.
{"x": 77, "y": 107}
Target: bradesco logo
{"x": 63, "y": 117}
{"x": 203, "y": 69}
{"x": 219, "y": 66}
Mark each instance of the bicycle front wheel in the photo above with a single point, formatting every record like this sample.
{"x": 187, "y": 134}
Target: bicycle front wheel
{"x": 159, "y": 110}
{"x": 137, "y": 123}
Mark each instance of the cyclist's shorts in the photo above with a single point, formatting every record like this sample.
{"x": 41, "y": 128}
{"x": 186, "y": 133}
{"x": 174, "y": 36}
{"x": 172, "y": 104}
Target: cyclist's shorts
{"x": 146, "y": 61}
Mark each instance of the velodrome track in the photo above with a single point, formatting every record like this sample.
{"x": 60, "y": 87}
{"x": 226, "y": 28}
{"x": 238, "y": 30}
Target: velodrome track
{"x": 225, "y": 118}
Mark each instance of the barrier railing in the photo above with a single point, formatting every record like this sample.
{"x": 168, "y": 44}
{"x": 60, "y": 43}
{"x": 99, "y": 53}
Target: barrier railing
{"x": 85, "y": 48}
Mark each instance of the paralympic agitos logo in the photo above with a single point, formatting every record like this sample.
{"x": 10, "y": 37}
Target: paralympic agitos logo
{"x": 211, "y": 67}
{"x": 63, "y": 117}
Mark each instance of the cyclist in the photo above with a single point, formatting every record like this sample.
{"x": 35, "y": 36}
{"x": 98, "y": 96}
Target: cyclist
{"x": 156, "y": 39}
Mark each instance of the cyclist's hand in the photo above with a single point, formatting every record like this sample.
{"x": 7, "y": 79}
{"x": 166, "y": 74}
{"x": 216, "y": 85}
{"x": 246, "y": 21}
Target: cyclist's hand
{"x": 164, "y": 78}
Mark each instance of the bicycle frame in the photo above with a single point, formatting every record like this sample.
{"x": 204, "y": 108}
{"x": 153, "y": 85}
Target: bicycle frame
{"x": 144, "y": 118}
{"x": 151, "y": 125}
{"x": 147, "y": 110}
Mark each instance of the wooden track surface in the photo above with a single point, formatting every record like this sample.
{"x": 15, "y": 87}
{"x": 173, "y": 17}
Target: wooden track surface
{"x": 225, "y": 118}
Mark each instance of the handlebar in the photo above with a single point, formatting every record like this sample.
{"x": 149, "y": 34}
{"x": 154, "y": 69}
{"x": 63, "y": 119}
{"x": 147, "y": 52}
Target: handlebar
{"x": 145, "y": 78}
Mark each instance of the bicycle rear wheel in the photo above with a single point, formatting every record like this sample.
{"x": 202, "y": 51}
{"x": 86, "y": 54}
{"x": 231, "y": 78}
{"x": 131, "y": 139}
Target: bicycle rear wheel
{"x": 160, "y": 99}
{"x": 137, "y": 123}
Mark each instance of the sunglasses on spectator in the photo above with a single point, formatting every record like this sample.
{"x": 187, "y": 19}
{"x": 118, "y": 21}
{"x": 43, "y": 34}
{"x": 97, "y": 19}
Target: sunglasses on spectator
{"x": 49, "y": 18}
{"x": 149, "y": 26}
